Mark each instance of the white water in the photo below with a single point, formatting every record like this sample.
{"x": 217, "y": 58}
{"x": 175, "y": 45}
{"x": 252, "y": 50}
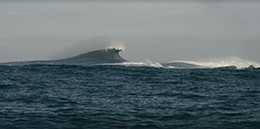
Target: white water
{"x": 113, "y": 44}
{"x": 222, "y": 62}
{"x": 147, "y": 63}
{"x": 208, "y": 63}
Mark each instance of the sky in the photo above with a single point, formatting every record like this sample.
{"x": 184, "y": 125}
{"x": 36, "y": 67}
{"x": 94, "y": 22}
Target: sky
{"x": 160, "y": 31}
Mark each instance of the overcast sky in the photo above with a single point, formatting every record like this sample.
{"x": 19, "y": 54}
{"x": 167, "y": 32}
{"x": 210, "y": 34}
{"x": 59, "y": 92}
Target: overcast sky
{"x": 159, "y": 31}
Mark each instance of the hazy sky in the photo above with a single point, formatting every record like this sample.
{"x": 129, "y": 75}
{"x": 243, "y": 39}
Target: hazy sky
{"x": 159, "y": 31}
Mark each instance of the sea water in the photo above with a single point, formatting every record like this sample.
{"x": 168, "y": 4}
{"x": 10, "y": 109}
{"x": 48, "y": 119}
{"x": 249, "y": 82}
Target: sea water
{"x": 62, "y": 96}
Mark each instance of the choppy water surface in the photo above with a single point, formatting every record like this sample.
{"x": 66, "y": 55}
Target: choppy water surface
{"x": 67, "y": 96}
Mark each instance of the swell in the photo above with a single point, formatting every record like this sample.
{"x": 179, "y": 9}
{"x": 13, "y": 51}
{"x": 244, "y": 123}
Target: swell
{"x": 108, "y": 55}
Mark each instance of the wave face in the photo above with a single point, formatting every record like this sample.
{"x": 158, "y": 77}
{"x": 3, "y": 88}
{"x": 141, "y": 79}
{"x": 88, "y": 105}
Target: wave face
{"x": 109, "y": 55}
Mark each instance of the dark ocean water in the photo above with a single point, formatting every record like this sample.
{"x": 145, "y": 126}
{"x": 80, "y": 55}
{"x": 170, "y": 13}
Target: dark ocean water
{"x": 110, "y": 96}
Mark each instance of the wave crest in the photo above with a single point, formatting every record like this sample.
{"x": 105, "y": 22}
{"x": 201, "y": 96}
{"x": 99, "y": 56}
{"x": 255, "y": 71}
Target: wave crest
{"x": 115, "y": 45}
{"x": 109, "y": 53}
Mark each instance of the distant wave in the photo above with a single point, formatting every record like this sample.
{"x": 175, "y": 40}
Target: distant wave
{"x": 213, "y": 63}
{"x": 109, "y": 54}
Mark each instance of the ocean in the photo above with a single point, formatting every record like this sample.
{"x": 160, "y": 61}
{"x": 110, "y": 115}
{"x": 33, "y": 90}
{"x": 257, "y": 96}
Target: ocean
{"x": 74, "y": 93}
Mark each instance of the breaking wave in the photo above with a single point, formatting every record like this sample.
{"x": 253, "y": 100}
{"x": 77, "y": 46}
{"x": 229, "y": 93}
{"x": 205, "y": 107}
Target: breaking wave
{"x": 109, "y": 55}
{"x": 214, "y": 63}
{"x": 232, "y": 62}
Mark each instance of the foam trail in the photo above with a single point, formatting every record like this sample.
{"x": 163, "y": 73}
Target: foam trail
{"x": 146, "y": 63}
{"x": 213, "y": 63}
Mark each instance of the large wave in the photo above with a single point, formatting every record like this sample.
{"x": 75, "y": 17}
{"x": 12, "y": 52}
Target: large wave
{"x": 109, "y": 55}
